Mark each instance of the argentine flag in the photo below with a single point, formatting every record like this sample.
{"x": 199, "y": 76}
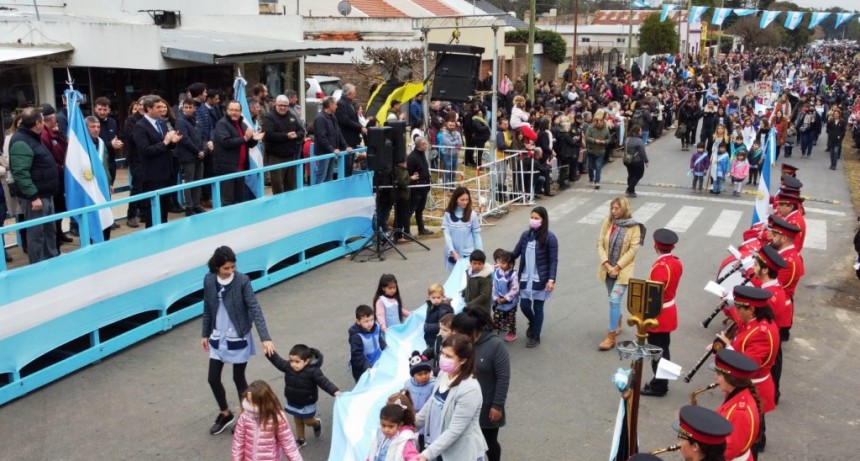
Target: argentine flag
{"x": 762, "y": 200}
{"x": 767, "y": 17}
{"x": 817, "y": 17}
{"x": 793, "y": 19}
{"x": 696, "y": 14}
{"x": 640, "y": 4}
{"x": 743, "y": 11}
{"x": 720, "y": 15}
{"x": 666, "y": 9}
{"x": 841, "y": 18}
{"x": 255, "y": 155}
{"x": 85, "y": 177}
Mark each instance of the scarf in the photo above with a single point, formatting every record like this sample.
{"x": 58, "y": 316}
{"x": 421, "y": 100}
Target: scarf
{"x": 616, "y": 239}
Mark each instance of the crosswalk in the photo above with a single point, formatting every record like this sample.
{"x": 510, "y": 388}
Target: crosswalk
{"x": 729, "y": 223}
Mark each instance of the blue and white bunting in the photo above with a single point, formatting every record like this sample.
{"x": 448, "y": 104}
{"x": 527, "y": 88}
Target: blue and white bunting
{"x": 667, "y": 8}
{"x": 696, "y": 13}
{"x": 741, "y": 12}
{"x": 640, "y": 4}
{"x": 817, "y": 17}
{"x": 86, "y": 181}
{"x": 762, "y": 207}
{"x": 720, "y": 15}
{"x": 767, "y": 17}
{"x": 792, "y": 19}
{"x": 842, "y": 17}
{"x": 255, "y": 155}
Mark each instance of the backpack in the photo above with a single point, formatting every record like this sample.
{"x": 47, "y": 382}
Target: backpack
{"x": 629, "y": 157}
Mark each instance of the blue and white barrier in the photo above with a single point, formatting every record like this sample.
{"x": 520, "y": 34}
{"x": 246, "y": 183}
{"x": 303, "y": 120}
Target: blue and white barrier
{"x": 356, "y": 413}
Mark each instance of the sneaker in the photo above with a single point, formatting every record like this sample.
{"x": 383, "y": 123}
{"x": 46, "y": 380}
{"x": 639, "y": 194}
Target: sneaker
{"x": 318, "y": 429}
{"x": 301, "y": 443}
{"x": 198, "y": 209}
{"x": 132, "y": 222}
{"x": 221, "y": 423}
{"x": 532, "y": 342}
{"x": 510, "y": 336}
{"x": 530, "y": 332}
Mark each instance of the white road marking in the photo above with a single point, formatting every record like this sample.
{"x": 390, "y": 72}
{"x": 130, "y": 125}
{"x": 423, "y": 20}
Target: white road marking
{"x": 803, "y": 343}
{"x": 647, "y": 211}
{"x": 568, "y": 206}
{"x": 684, "y": 218}
{"x": 726, "y": 223}
{"x": 597, "y": 215}
{"x": 816, "y": 234}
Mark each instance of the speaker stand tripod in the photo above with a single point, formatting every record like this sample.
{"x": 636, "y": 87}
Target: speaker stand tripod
{"x": 377, "y": 244}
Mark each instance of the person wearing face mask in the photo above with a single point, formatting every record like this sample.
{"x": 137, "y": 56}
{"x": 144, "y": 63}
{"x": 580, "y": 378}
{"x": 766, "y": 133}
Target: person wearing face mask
{"x": 450, "y": 419}
{"x": 619, "y": 239}
{"x": 263, "y": 432}
{"x": 537, "y": 249}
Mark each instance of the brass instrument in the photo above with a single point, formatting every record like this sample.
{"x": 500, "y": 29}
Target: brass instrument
{"x": 660, "y": 451}
{"x": 696, "y": 393}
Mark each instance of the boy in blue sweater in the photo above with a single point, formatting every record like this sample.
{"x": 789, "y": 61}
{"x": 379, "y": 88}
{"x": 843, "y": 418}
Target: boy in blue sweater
{"x": 420, "y": 385}
{"x": 365, "y": 341}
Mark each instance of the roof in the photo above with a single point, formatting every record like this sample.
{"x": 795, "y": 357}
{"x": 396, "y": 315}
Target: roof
{"x": 436, "y": 7}
{"x": 511, "y": 21}
{"x": 207, "y": 48}
{"x": 377, "y": 9}
{"x": 604, "y": 17}
{"x": 18, "y": 52}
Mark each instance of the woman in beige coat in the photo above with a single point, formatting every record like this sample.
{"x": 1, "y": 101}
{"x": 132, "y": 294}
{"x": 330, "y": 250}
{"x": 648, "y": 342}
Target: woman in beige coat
{"x": 620, "y": 237}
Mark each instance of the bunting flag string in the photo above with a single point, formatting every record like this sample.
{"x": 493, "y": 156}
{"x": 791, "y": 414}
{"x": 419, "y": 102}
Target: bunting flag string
{"x": 792, "y": 19}
{"x": 767, "y": 17}
{"x": 720, "y": 15}
{"x": 696, "y": 14}
{"x": 640, "y": 4}
{"x": 667, "y": 8}
{"x": 817, "y": 17}
{"x": 743, "y": 11}
{"x": 841, "y": 18}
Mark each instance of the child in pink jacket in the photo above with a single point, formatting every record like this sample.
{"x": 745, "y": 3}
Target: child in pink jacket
{"x": 262, "y": 432}
{"x": 739, "y": 171}
{"x": 396, "y": 439}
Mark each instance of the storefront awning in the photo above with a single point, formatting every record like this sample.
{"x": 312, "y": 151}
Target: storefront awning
{"x": 15, "y": 52}
{"x": 218, "y": 48}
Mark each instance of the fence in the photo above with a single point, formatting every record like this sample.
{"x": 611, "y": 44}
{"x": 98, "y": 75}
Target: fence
{"x": 107, "y": 296}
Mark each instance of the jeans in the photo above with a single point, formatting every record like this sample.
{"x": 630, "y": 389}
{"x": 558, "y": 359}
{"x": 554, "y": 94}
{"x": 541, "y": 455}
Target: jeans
{"x": 533, "y": 310}
{"x": 192, "y": 171}
{"x": 835, "y": 153}
{"x": 806, "y": 139}
{"x": 42, "y": 239}
{"x": 616, "y": 294}
{"x": 595, "y": 164}
{"x": 449, "y": 164}
{"x": 215, "y": 368}
{"x": 645, "y": 135}
{"x": 718, "y": 184}
{"x": 324, "y": 171}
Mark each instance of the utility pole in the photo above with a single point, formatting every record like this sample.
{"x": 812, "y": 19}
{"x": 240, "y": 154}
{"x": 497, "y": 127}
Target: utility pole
{"x": 531, "y": 60}
{"x": 630, "y": 38}
{"x": 687, "y": 41}
{"x": 576, "y": 39}
{"x": 719, "y": 38}
{"x": 680, "y": 46}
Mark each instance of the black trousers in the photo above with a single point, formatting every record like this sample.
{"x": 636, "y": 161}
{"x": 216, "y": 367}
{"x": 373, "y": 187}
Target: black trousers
{"x": 163, "y": 200}
{"x": 491, "y": 436}
{"x": 401, "y": 215}
{"x": 384, "y": 203}
{"x": 660, "y": 340}
{"x": 215, "y": 368}
{"x": 134, "y": 208}
{"x": 417, "y": 202}
{"x": 635, "y": 172}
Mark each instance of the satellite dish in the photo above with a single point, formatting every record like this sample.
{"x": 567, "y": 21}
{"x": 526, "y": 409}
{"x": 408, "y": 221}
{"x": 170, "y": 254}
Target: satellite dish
{"x": 344, "y": 8}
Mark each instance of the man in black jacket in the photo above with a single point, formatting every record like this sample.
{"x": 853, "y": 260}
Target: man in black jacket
{"x": 155, "y": 145}
{"x": 135, "y": 167}
{"x": 328, "y": 139}
{"x": 347, "y": 119}
{"x": 283, "y": 142}
{"x": 108, "y": 132}
{"x": 191, "y": 151}
{"x": 416, "y": 162}
{"x": 36, "y": 182}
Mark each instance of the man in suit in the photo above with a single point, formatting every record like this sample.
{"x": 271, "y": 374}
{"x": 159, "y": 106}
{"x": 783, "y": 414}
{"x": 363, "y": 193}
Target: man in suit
{"x": 155, "y": 145}
{"x": 347, "y": 120}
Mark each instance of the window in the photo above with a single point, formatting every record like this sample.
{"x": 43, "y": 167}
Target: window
{"x": 620, "y": 40}
{"x": 584, "y": 39}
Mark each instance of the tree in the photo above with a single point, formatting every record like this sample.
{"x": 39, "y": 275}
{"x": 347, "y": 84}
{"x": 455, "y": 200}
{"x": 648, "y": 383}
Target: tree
{"x": 656, "y": 37}
{"x": 747, "y": 28}
{"x": 554, "y": 46}
{"x": 390, "y": 62}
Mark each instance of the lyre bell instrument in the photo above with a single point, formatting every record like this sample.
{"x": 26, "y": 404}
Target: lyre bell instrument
{"x": 696, "y": 392}
{"x": 660, "y": 451}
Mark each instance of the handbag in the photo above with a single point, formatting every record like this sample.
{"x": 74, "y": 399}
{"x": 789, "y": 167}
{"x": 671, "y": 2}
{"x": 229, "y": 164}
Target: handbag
{"x": 681, "y": 130}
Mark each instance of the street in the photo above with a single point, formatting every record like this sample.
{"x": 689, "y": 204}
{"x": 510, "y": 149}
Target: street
{"x": 152, "y": 401}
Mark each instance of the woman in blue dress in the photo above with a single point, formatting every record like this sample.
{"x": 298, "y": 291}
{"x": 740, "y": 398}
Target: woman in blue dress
{"x": 229, "y": 309}
{"x": 461, "y": 227}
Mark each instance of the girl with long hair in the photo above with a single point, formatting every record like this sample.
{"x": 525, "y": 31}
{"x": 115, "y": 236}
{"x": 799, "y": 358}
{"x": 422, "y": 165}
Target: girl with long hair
{"x": 461, "y": 227}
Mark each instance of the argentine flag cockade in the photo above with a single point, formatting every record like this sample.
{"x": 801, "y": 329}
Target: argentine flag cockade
{"x": 762, "y": 200}
{"x": 86, "y": 181}
{"x": 255, "y": 154}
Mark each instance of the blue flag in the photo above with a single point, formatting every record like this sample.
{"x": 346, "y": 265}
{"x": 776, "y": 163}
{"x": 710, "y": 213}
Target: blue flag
{"x": 255, "y": 155}
{"x": 817, "y": 17}
{"x": 720, "y": 15}
{"x": 696, "y": 14}
{"x": 743, "y": 11}
{"x": 763, "y": 207}
{"x": 666, "y": 9}
{"x": 792, "y": 19}
{"x": 86, "y": 181}
{"x": 640, "y": 4}
{"x": 767, "y": 17}
{"x": 841, "y": 18}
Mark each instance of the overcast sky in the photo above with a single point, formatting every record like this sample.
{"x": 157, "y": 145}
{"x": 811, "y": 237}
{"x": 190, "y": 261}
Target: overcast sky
{"x": 824, "y": 3}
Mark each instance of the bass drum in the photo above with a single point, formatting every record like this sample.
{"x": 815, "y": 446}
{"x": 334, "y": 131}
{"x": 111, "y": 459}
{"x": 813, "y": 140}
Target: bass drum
{"x": 727, "y": 276}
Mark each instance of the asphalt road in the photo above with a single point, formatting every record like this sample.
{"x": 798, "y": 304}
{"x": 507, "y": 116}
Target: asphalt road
{"x": 152, "y": 401}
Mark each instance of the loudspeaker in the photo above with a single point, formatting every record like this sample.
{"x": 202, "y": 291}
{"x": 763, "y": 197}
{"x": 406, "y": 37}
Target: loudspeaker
{"x": 379, "y": 149}
{"x": 398, "y": 140}
{"x": 456, "y": 76}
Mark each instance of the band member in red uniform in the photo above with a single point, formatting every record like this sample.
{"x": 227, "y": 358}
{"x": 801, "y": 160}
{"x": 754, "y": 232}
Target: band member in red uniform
{"x": 790, "y": 208}
{"x": 668, "y": 270}
{"x": 758, "y": 339}
{"x": 740, "y": 407}
{"x": 768, "y": 264}
{"x": 702, "y": 434}
{"x": 782, "y": 238}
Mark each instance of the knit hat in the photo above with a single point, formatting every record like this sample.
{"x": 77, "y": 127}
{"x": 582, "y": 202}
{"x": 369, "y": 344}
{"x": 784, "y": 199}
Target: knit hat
{"x": 418, "y": 363}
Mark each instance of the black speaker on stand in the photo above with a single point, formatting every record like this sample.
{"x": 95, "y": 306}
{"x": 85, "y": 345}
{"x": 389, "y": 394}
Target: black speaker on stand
{"x": 456, "y": 75}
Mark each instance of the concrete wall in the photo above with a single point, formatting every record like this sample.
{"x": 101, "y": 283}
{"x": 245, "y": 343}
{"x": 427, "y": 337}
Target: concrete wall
{"x": 123, "y": 9}
{"x": 315, "y": 8}
{"x": 370, "y": 28}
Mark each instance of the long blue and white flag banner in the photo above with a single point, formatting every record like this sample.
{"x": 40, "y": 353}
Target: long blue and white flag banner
{"x": 762, "y": 207}
{"x": 86, "y": 180}
{"x": 792, "y": 19}
{"x": 255, "y": 155}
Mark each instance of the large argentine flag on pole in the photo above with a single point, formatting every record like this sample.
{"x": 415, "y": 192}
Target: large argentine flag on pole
{"x": 85, "y": 177}
{"x": 762, "y": 200}
{"x": 255, "y": 156}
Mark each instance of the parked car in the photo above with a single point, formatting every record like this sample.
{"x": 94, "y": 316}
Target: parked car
{"x": 320, "y": 86}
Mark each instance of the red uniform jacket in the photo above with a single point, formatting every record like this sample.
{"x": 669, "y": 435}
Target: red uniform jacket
{"x": 760, "y": 342}
{"x": 667, "y": 269}
{"x": 783, "y": 308}
{"x": 741, "y": 410}
{"x": 789, "y": 276}
{"x": 796, "y": 218}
